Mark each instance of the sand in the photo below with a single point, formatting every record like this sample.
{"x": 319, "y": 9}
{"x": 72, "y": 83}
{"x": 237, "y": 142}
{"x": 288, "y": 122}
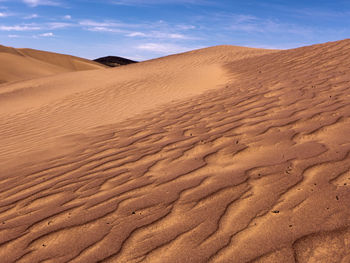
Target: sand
{"x": 21, "y": 64}
{"x": 225, "y": 154}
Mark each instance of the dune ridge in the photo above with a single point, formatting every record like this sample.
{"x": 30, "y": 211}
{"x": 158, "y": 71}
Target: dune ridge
{"x": 23, "y": 63}
{"x": 255, "y": 169}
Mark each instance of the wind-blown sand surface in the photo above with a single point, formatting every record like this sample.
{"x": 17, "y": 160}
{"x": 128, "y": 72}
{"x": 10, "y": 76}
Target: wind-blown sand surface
{"x": 225, "y": 154}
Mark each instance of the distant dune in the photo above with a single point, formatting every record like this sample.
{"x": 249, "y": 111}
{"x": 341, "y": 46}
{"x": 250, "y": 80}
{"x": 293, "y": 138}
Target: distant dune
{"x": 113, "y": 61}
{"x": 20, "y": 64}
{"x": 224, "y": 154}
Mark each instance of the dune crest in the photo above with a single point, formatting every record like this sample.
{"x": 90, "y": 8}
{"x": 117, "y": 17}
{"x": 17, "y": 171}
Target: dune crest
{"x": 248, "y": 164}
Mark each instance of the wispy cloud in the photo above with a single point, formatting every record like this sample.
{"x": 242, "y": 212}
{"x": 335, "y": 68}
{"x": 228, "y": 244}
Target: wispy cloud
{"x": 105, "y": 29}
{"x": 110, "y": 24}
{"x": 49, "y": 34}
{"x": 19, "y": 28}
{"x": 13, "y": 36}
{"x": 36, "y": 26}
{"x": 91, "y": 23}
{"x": 136, "y": 34}
{"x": 59, "y": 25}
{"x": 34, "y": 3}
{"x": 164, "y": 48}
{"x": 160, "y": 35}
{"x": 154, "y": 30}
{"x": 161, "y": 2}
{"x": 97, "y": 26}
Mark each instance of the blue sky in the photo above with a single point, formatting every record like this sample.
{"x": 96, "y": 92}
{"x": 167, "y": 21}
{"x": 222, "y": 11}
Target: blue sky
{"x": 142, "y": 30}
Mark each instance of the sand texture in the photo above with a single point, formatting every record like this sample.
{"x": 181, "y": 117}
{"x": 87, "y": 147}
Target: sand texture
{"x": 225, "y": 154}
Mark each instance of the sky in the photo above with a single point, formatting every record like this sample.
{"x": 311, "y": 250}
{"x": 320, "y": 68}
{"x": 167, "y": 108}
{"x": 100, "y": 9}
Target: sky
{"x": 141, "y": 29}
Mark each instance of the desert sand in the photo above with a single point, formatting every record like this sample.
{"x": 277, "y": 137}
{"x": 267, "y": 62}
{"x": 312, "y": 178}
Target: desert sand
{"x": 23, "y": 63}
{"x": 224, "y": 154}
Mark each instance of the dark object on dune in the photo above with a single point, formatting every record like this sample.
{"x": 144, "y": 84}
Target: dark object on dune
{"x": 112, "y": 61}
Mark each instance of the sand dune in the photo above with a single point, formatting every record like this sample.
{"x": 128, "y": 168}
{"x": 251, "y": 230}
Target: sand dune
{"x": 73, "y": 102}
{"x": 225, "y": 154}
{"x": 21, "y": 64}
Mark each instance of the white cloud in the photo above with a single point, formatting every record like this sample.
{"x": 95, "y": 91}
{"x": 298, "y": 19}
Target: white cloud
{"x": 136, "y": 34}
{"x": 91, "y": 23}
{"x": 177, "y": 36}
{"x": 34, "y": 3}
{"x": 3, "y": 14}
{"x": 50, "y": 34}
{"x": 96, "y": 24}
{"x": 111, "y": 27}
{"x": 59, "y": 25}
{"x": 161, "y": 2}
{"x": 19, "y": 28}
{"x": 160, "y": 35}
{"x": 13, "y": 36}
{"x": 67, "y": 17}
{"x": 164, "y": 48}
{"x": 156, "y": 30}
{"x": 104, "y": 29}
{"x": 163, "y": 35}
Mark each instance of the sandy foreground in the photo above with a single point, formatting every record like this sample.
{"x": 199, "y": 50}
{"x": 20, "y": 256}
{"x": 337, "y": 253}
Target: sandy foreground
{"x": 225, "y": 154}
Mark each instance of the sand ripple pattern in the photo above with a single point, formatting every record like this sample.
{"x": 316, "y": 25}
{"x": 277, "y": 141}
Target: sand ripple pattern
{"x": 258, "y": 171}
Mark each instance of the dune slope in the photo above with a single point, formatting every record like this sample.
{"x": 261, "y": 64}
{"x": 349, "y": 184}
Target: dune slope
{"x": 73, "y": 102}
{"x": 21, "y": 64}
{"x": 256, "y": 170}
